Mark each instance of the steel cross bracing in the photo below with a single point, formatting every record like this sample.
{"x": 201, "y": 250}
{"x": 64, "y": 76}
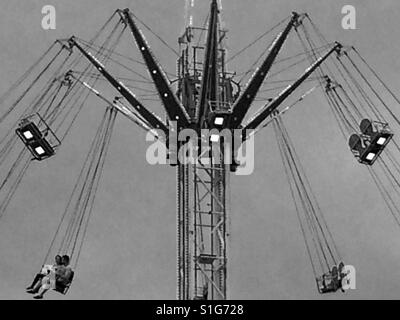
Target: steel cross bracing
{"x": 202, "y": 233}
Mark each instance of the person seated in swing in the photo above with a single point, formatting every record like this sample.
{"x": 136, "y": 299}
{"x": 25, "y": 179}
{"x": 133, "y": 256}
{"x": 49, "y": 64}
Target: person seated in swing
{"x": 64, "y": 278}
{"x": 327, "y": 283}
{"x": 335, "y": 278}
{"x": 331, "y": 282}
{"x": 342, "y": 275}
{"x": 46, "y": 269}
{"x": 58, "y": 278}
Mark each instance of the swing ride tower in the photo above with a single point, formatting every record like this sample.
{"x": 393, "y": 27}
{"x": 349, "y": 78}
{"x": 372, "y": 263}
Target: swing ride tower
{"x": 207, "y": 98}
{"x": 204, "y": 99}
{"x": 205, "y": 88}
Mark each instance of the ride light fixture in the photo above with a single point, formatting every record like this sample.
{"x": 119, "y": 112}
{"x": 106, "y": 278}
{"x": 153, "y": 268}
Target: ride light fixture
{"x": 219, "y": 121}
{"x": 370, "y": 156}
{"x": 381, "y": 141}
{"x": 39, "y": 150}
{"x": 214, "y": 138}
{"x": 28, "y": 135}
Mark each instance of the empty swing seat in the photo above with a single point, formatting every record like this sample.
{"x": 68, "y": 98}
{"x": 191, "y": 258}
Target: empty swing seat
{"x": 369, "y": 145}
{"x": 37, "y": 141}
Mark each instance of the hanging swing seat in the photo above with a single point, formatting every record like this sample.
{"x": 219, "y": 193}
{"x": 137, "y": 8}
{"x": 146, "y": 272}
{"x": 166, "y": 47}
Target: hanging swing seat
{"x": 373, "y": 139}
{"x": 63, "y": 288}
{"x": 37, "y": 136}
{"x": 332, "y": 280}
{"x": 326, "y": 284}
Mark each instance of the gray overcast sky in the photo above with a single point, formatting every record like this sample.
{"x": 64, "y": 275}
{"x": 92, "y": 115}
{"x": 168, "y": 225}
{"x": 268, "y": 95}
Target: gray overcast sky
{"x": 130, "y": 248}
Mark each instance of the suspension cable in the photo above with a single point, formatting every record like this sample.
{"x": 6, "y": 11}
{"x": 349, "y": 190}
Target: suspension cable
{"x": 4, "y": 116}
{"x": 256, "y": 40}
{"x": 155, "y": 34}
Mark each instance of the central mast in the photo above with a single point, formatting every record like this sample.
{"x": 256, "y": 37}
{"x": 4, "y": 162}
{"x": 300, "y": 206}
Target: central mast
{"x": 205, "y": 89}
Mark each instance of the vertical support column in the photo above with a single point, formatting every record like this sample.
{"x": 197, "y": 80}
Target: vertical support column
{"x": 179, "y": 231}
{"x": 219, "y": 213}
{"x": 187, "y": 233}
{"x": 183, "y": 233}
{"x": 202, "y": 233}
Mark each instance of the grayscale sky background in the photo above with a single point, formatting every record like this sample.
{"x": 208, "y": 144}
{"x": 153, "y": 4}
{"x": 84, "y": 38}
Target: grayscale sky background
{"x": 129, "y": 252}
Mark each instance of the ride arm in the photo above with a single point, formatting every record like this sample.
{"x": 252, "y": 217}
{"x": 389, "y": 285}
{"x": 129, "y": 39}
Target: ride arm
{"x": 243, "y": 103}
{"x": 210, "y": 73}
{"x": 266, "y": 111}
{"x": 148, "y": 116}
{"x": 116, "y": 104}
{"x": 172, "y": 105}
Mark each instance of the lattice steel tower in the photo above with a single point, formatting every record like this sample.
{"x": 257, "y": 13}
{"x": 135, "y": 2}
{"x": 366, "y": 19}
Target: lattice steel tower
{"x": 206, "y": 90}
